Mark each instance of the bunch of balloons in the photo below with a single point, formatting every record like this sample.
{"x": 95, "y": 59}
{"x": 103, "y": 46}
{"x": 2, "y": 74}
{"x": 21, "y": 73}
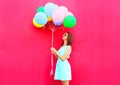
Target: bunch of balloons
{"x": 57, "y": 14}
{"x": 52, "y": 16}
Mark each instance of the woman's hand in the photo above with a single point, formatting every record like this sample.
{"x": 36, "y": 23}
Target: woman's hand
{"x": 53, "y": 50}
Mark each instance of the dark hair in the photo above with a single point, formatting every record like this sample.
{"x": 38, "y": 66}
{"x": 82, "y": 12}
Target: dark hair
{"x": 69, "y": 39}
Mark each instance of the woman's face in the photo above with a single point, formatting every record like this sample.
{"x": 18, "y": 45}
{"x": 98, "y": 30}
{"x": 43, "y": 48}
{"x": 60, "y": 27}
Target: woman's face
{"x": 65, "y": 36}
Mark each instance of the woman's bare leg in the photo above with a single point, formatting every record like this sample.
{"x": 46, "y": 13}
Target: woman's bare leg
{"x": 65, "y": 82}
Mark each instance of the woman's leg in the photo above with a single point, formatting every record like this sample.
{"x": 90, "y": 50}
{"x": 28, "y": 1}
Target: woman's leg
{"x": 65, "y": 82}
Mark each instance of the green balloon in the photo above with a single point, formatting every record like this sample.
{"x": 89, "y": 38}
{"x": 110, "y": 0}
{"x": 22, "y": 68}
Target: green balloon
{"x": 69, "y": 21}
{"x": 40, "y": 9}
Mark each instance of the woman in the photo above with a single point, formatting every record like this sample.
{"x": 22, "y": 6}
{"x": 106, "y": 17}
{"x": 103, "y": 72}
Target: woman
{"x": 63, "y": 68}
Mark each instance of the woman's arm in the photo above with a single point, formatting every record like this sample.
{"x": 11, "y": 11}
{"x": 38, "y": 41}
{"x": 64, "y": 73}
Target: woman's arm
{"x": 64, "y": 57}
{"x": 54, "y": 54}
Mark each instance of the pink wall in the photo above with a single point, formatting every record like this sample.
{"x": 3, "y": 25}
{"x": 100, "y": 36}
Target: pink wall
{"x": 25, "y": 50}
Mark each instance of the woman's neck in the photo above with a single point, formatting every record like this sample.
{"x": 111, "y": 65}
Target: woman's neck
{"x": 65, "y": 43}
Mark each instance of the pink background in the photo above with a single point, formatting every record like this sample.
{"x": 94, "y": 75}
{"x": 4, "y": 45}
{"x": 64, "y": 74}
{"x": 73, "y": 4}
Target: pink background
{"x": 25, "y": 50}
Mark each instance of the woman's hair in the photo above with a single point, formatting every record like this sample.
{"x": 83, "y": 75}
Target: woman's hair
{"x": 69, "y": 39}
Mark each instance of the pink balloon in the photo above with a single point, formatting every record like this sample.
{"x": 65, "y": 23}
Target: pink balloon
{"x": 58, "y": 16}
{"x": 63, "y": 9}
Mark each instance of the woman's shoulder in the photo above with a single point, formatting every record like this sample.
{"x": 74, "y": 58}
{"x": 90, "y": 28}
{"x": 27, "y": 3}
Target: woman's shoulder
{"x": 69, "y": 46}
{"x": 66, "y": 46}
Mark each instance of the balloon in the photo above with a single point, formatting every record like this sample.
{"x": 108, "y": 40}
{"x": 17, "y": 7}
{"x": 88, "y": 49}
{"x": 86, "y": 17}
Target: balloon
{"x": 57, "y": 16}
{"x": 63, "y": 9}
{"x": 49, "y": 8}
{"x": 40, "y": 9}
{"x": 49, "y": 19}
{"x": 57, "y": 24}
{"x": 69, "y": 21}
{"x": 36, "y": 24}
{"x": 41, "y": 18}
{"x": 69, "y": 13}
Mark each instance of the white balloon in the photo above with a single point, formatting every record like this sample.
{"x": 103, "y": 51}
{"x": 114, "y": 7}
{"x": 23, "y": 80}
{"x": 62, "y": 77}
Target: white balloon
{"x": 63, "y": 9}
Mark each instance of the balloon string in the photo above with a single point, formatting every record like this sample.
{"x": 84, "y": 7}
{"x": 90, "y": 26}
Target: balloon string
{"x": 51, "y": 72}
{"x": 52, "y": 36}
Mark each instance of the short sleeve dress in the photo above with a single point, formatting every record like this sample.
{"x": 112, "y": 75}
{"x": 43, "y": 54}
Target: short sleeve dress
{"x": 63, "y": 68}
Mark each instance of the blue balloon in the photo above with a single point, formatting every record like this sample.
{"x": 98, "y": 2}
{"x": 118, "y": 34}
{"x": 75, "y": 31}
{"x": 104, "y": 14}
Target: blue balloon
{"x": 41, "y": 18}
{"x": 49, "y": 8}
{"x": 58, "y": 23}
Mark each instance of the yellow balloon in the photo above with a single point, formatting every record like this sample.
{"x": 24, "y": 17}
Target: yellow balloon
{"x": 49, "y": 18}
{"x": 36, "y": 24}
